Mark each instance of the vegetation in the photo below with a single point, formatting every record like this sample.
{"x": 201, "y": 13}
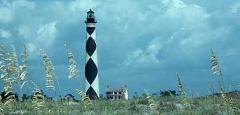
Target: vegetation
{"x": 14, "y": 74}
{"x": 140, "y": 105}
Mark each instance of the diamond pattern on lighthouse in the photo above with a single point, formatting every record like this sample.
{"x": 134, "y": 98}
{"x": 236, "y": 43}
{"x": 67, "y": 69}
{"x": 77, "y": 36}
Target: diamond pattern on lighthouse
{"x": 90, "y": 71}
{"x": 90, "y": 46}
{"x": 91, "y": 93}
{"x": 90, "y": 30}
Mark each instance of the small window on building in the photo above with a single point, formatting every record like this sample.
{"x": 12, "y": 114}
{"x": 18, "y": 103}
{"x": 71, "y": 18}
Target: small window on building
{"x": 108, "y": 93}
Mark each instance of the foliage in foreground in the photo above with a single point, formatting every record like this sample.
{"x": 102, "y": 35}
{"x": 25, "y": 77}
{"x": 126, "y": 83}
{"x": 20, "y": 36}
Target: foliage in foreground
{"x": 140, "y": 105}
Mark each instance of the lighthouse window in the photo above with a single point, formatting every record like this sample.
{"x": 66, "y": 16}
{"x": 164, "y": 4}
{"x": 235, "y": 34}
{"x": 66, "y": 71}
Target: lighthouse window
{"x": 90, "y": 15}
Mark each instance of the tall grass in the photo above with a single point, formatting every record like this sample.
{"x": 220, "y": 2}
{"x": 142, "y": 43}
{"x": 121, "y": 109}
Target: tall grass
{"x": 215, "y": 67}
{"x": 72, "y": 65}
{"x": 183, "y": 97}
{"x": 49, "y": 70}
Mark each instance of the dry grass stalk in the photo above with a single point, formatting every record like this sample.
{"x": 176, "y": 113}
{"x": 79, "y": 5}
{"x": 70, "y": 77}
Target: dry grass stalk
{"x": 216, "y": 70}
{"x": 152, "y": 104}
{"x": 215, "y": 64}
{"x": 23, "y": 67}
{"x": 182, "y": 93}
{"x": 9, "y": 72}
{"x": 84, "y": 98}
{"x": 1, "y": 109}
{"x": 49, "y": 70}
{"x": 72, "y": 65}
{"x": 215, "y": 67}
{"x": 38, "y": 99}
{"x": 234, "y": 110}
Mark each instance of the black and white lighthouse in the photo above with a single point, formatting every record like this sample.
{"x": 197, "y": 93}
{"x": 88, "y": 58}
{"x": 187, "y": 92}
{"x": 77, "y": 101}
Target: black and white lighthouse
{"x": 91, "y": 67}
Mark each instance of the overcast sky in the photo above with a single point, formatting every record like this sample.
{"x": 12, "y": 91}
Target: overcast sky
{"x": 141, "y": 43}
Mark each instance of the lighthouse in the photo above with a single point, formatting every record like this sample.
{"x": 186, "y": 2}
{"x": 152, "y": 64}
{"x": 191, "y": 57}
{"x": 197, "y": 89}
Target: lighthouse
{"x": 91, "y": 67}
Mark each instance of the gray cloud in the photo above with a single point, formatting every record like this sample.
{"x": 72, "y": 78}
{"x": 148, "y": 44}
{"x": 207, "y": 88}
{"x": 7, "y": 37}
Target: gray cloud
{"x": 142, "y": 44}
{"x": 5, "y": 33}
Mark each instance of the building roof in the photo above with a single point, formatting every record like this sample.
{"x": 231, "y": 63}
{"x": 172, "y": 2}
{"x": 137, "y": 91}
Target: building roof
{"x": 115, "y": 89}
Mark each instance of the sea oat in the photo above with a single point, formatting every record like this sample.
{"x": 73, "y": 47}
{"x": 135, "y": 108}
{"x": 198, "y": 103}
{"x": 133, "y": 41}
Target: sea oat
{"x": 49, "y": 70}
{"x": 234, "y": 110}
{"x": 38, "y": 99}
{"x": 215, "y": 67}
{"x": 152, "y": 103}
{"x": 23, "y": 66}
{"x": 214, "y": 64}
{"x": 72, "y": 65}
{"x": 182, "y": 93}
{"x": 9, "y": 72}
{"x": 1, "y": 109}
{"x": 84, "y": 98}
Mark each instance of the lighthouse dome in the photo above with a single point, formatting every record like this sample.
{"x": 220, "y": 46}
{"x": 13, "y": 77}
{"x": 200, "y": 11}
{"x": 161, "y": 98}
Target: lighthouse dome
{"x": 90, "y": 17}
